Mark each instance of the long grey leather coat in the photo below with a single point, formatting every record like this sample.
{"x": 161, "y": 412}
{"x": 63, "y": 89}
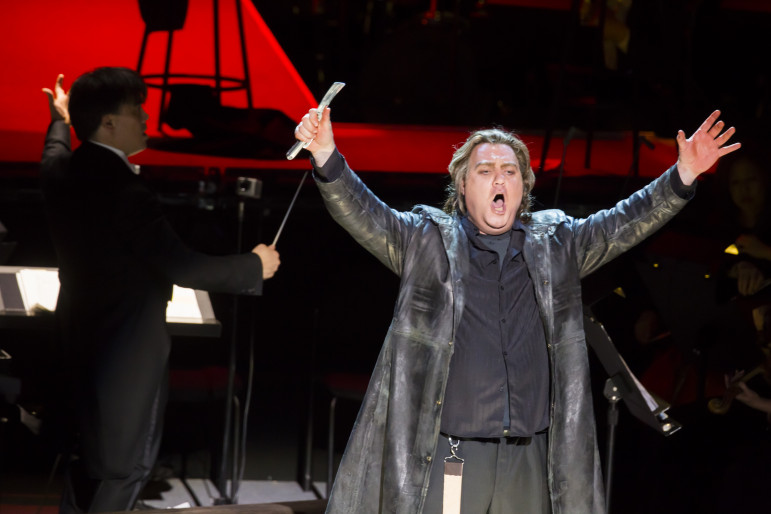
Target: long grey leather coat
{"x": 385, "y": 467}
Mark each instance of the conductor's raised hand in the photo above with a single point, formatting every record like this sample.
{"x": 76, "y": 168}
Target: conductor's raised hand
{"x": 270, "y": 259}
{"x": 320, "y": 132}
{"x": 699, "y": 152}
{"x": 58, "y": 101}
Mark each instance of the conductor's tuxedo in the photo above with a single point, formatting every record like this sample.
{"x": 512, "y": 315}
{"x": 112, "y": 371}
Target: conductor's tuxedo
{"x": 118, "y": 258}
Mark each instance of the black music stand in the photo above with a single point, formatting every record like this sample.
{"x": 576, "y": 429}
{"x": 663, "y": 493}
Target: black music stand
{"x": 246, "y": 189}
{"x": 15, "y": 315}
{"x": 623, "y": 385}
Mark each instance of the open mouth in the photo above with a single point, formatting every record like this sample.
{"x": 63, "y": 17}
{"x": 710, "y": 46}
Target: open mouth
{"x": 499, "y": 204}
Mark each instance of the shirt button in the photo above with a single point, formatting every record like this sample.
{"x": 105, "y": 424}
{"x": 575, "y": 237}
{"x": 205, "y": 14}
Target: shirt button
{"x": 428, "y": 458}
{"x": 546, "y": 282}
{"x": 503, "y": 320}
{"x": 439, "y": 402}
{"x": 501, "y": 288}
{"x": 450, "y": 343}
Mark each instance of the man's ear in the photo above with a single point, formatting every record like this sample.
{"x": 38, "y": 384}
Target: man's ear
{"x": 462, "y": 189}
{"x": 108, "y": 121}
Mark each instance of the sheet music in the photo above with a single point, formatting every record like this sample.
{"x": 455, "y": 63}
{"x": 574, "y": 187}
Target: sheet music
{"x": 183, "y": 307}
{"x": 39, "y": 289}
{"x": 653, "y": 405}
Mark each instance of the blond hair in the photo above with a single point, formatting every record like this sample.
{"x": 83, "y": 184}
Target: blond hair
{"x": 458, "y": 168}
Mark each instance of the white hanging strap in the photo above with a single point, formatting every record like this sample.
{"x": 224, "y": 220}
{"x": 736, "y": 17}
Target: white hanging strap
{"x": 453, "y": 479}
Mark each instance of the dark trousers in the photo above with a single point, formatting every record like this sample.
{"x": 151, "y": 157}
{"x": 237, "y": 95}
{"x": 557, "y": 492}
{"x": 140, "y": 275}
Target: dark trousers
{"x": 98, "y": 491}
{"x": 506, "y": 476}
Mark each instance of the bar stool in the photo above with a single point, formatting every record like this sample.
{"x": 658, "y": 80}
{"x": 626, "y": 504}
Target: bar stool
{"x": 169, "y": 16}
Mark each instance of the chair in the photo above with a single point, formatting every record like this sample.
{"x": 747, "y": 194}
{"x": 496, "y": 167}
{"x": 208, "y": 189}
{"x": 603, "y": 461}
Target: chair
{"x": 196, "y": 397}
{"x": 340, "y": 386}
{"x": 169, "y": 16}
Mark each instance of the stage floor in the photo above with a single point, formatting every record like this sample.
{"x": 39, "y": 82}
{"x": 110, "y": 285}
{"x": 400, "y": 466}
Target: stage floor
{"x": 31, "y": 492}
{"x": 195, "y": 491}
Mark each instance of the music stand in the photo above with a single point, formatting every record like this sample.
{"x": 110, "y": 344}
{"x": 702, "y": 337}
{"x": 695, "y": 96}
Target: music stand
{"x": 246, "y": 188}
{"x": 623, "y": 385}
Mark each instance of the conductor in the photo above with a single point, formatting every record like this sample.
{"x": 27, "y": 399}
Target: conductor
{"x": 118, "y": 259}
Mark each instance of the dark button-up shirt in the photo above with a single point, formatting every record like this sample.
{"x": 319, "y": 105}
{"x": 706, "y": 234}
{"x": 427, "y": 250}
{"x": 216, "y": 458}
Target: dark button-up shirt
{"x": 498, "y": 383}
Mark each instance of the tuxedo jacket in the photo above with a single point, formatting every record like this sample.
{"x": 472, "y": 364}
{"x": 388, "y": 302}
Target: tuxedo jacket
{"x": 118, "y": 259}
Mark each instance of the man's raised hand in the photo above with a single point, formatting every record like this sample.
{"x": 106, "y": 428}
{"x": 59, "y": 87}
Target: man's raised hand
{"x": 58, "y": 101}
{"x": 699, "y": 152}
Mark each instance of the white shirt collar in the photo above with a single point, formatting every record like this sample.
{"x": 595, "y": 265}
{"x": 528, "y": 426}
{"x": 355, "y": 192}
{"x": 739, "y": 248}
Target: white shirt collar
{"x": 133, "y": 167}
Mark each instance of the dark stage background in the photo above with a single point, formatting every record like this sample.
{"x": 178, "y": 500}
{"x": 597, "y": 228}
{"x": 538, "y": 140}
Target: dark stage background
{"x": 458, "y": 65}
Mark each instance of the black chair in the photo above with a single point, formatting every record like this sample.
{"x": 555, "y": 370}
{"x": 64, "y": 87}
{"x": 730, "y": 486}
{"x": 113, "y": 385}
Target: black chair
{"x": 339, "y": 386}
{"x": 169, "y": 16}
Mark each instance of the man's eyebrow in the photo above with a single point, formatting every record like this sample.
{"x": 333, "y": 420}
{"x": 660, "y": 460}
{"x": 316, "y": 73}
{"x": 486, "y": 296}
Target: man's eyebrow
{"x": 490, "y": 163}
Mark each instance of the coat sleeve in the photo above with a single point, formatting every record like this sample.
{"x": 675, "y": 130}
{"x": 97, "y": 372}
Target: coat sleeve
{"x": 56, "y": 155}
{"x": 153, "y": 241}
{"x": 382, "y": 231}
{"x": 606, "y": 234}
